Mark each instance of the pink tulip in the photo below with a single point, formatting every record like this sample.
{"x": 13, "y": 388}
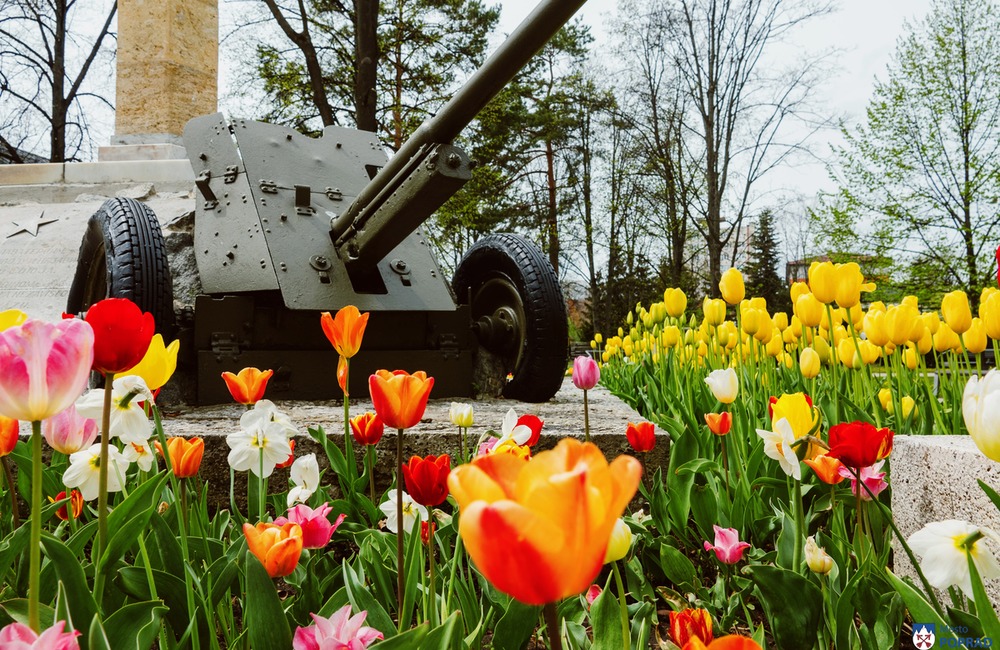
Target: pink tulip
{"x": 586, "y": 373}
{"x": 43, "y": 367}
{"x": 592, "y": 594}
{"x": 728, "y": 547}
{"x": 341, "y": 631}
{"x": 316, "y": 528}
{"x": 69, "y": 432}
{"x": 872, "y": 477}
{"x": 18, "y": 636}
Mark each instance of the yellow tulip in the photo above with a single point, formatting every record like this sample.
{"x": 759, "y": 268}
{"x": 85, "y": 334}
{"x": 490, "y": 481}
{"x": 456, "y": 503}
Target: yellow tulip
{"x": 750, "y": 319}
{"x": 885, "y": 398}
{"x": 158, "y": 364}
{"x": 731, "y": 286}
{"x": 847, "y": 354}
{"x": 878, "y": 305}
{"x": 823, "y": 281}
{"x": 849, "y": 285}
{"x": 975, "y": 337}
{"x": 780, "y": 321}
{"x": 728, "y": 336}
{"x": 926, "y": 342}
{"x": 676, "y": 302}
{"x": 874, "y": 328}
{"x": 766, "y": 328}
{"x": 790, "y": 336}
{"x": 670, "y": 336}
{"x": 989, "y": 313}
{"x": 956, "y": 311}
{"x": 758, "y": 303}
{"x": 931, "y": 321}
{"x": 11, "y": 318}
{"x": 908, "y": 406}
{"x": 598, "y": 338}
{"x": 822, "y": 349}
{"x": 798, "y": 289}
{"x": 714, "y": 310}
{"x": 774, "y": 347}
{"x": 899, "y": 322}
{"x": 809, "y": 363}
{"x": 870, "y": 352}
{"x": 910, "y": 357}
{"x": 946, "y": 340}
{"x": 856, "y": 315}
{"x": 788, "y": 360}
{"x": 809, "y": 310}
{"x": 910, "y": 301}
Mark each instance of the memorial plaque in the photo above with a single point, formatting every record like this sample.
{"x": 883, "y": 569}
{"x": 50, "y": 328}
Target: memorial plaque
{"x": 39, "y": 244}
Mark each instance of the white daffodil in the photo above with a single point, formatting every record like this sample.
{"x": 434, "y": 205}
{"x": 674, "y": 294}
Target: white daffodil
{"x": 511, "y": 430}
{"x": 262, "y": 439}
{"x": 128, "y": 421}
{"x": 305, "y": 475}
{"x": 263, "y": 412}
{"x": 461, "y": 414}
{"x": 142, "y": 455}
{"x": 85, "y": 470}
{"x": 412, "y": 512}
{"x": 943, "y": 559}
{"x": 778, "y": 445}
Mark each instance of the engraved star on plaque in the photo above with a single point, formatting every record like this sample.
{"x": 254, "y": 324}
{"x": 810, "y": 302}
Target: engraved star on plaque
{"x": 30, "y": 227}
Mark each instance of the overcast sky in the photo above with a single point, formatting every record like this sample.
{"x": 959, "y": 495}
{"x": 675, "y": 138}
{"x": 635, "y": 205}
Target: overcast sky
{"x": 864, "y": 32}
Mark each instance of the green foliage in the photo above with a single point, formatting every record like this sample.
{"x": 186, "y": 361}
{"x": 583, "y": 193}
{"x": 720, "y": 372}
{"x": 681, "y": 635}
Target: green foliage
{"x": 918, "y": 179}
{"x": 761, "y": 272}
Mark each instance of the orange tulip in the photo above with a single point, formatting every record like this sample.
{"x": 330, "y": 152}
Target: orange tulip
{"x": 342, "y": 374}
{"x": 277, "y": 547}
{"x": 400, "y": 398}
{"x": 719, "y": 423}
{"x": 345, "y": 330}
{"x": 729, "y": 642}
{"x": 185, "y": 455}
{"x": 247, "y": 387}
{"x": 690, "y": 624}
{"x": 8, "y": 434}
{"x": 826, "y": 468}
{"x": 538, "y": 529}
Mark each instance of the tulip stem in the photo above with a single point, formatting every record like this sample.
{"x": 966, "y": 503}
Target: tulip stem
{"x": 454, "y": 567}
{"x": 586, "y": 417}
{"x": 552, "y": 623}
{"x": 352, "y": 468}
{"x": 800, "y": 532}
{"x": 399, "y": 527}
{"x": 431, "y": 591}
{"x": 261, "y": 490}
{"x": 370, "y": 462}
{"x": 623, "y": 609}
{"x": 102, "y": 494}
{"x": 13, "y": 493}
{"x": 35, "y": 549}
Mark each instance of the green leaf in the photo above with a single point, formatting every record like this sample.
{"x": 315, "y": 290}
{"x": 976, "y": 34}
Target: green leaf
{"x": 515, "y": 626}
{"x": 122, "y": 539}
{"x": 676, "y": 566}
{"x": 144, "y": 498}
{"x": 699, "y": 466}
{"x": 362, "y": 600}
{"x": 793, "y": 604}
{"x": 410, "y": 640}
{"x": 984, "y": 608}
{"x": 12, "y": 546}
{"x": 921, "y": 611}
{"x": 17, "y": 609}
{"x": 991, "y": 493}
{"x": 82, "y": 606}
{"x": 684, "y": 449}
{"x": 264, "y": 617}
{"x": 605, "y": 616}
{"x": 171, "y": 589}
{"x": 135, "y": 626}
{"x": 97, "y": 639}
{"x": 447, "y": 636}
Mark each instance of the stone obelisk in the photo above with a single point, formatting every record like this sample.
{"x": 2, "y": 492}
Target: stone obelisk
{"x": 167, "y": 73}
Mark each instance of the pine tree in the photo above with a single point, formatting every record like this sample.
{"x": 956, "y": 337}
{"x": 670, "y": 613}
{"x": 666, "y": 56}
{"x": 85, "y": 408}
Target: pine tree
{"x": 761, "y": 275}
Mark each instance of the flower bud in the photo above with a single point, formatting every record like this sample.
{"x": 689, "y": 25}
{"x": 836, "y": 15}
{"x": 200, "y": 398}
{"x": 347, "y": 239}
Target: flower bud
{"x": 818, "y": 560}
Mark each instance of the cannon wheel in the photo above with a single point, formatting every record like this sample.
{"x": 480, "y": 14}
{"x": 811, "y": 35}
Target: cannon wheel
{"x": 123, "y": 255}
{"x": 518, "y": 312}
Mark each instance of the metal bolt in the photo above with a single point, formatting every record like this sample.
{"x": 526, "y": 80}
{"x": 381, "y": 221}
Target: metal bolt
{"x": 230, "y": 255}
{"x": 453, "y": 160}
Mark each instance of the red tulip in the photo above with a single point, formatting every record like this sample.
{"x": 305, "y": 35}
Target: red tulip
{"x": 641, "y": 436}
{"x": 427, "y": 479}
{"x": 859, "y": 444}
{"x": 122, "y": 333}
{"x": 367, "y": 428}
{"x": 75, "y": 500}
{"x": 690, "y": 624}
{"x": 534, "y": 423}
{"x": 400, "y": 398}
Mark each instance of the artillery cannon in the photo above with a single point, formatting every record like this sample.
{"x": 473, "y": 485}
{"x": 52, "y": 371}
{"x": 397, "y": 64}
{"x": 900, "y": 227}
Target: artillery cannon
{"x": 287, "y": 226}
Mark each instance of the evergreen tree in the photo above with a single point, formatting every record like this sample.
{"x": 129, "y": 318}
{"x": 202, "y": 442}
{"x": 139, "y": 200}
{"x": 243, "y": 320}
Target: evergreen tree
{"x": 761, "y": 275}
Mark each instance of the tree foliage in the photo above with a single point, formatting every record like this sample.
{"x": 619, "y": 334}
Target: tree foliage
{"x": 761, "y": 271}
{"x": 920, "y": 178}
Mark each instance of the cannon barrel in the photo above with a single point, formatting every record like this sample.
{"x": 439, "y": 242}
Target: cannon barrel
{"x": 386, "y": 211}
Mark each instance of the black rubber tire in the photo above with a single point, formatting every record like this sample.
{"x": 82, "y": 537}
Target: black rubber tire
{"x": 538, "y": 363}
{"x": 123, "y": 255}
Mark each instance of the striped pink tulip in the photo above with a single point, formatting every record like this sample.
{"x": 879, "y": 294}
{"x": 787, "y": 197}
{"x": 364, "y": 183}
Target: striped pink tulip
{"x": 43, "y": 367}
